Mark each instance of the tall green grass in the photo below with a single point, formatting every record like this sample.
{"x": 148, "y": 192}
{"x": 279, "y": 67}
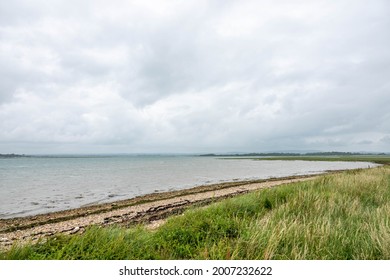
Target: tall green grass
{"x": 338, "y": 216}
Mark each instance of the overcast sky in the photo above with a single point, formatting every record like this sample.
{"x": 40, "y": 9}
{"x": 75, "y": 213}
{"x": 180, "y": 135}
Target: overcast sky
{"x": 194, "y": 76}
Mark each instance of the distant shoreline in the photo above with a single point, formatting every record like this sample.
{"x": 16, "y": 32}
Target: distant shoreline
{"x": 282, "y": 154}
{"x": 251, "y": 154}
{"x": 13, "y": 156}
{"x": 144, "y": 209}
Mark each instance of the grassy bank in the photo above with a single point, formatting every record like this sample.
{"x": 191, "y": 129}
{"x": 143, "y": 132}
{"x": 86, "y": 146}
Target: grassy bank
{"x": 380, "y": 159}
{"x": 337, "y": 216}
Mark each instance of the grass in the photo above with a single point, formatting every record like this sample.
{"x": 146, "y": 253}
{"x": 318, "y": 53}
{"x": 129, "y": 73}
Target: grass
{"x": 380, "y": 159}
{"x": 336, "y": 216}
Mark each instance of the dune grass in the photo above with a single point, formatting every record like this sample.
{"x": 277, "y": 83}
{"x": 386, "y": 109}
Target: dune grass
{"x": 337, "y": 216}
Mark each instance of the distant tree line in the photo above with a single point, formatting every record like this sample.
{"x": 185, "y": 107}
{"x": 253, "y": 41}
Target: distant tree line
{"x": 292, "y": 154}
{"x": 12, "y": 156}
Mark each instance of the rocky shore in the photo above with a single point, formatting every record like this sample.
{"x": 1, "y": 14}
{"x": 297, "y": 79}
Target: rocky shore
{"x": 150, "y": 209}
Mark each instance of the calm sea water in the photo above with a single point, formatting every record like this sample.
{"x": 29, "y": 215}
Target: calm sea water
{"x": 35, "y": 185}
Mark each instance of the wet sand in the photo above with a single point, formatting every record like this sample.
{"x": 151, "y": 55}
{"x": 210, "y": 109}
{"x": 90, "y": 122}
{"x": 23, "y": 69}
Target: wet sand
{"x": 150, "y": 210}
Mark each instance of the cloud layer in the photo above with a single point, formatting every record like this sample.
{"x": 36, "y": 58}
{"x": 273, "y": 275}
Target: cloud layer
{"x": 194, "y": 76}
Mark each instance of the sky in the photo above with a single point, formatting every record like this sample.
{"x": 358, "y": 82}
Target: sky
{"x": 194, "y": 76}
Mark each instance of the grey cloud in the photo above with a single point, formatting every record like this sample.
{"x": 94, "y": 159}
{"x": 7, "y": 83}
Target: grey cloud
{"x": 385, "y": 139}
{"x": 198, "y": 75}
{"x": 365, "y": 142}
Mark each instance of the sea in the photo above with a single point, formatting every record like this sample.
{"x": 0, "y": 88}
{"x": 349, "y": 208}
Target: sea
{"x": 43, "y": 184}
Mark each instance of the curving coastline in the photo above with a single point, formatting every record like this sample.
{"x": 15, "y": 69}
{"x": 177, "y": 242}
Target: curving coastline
{"x": 150, "y": 209}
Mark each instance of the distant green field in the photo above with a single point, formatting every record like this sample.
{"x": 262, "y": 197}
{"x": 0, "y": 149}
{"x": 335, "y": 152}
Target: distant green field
{"x": 335, "y": 216}
{"x": 385, "y": 159}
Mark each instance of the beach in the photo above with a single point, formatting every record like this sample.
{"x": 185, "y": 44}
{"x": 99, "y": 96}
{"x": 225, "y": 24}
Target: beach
{"x": 150, "y": 210}
{"x": 38, "y": 185}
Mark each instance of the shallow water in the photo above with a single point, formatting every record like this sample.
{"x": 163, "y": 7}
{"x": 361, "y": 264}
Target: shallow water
{"x": 35, "y": 185}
